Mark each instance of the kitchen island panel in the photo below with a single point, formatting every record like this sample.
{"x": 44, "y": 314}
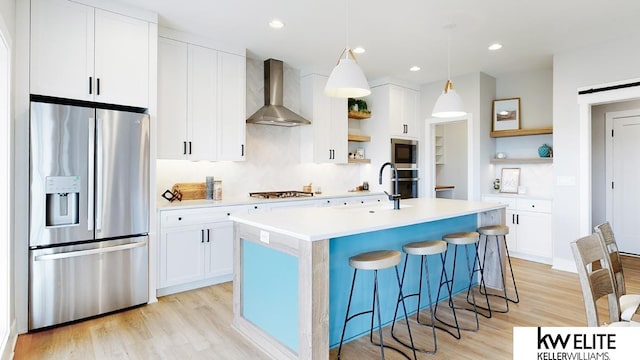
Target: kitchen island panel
{"x": 269, "y": 278}
{"x": 340, "y": 273}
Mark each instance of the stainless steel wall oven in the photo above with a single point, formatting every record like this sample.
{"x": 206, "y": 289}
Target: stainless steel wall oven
{"x": 404, "y": 155}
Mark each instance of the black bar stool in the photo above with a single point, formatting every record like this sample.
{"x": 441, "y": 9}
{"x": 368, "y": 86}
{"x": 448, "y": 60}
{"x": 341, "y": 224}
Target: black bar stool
{"x": 498, "y": 231}
{"x": 376, "y": 260}
{"x": 422, "y": 249}
{"x": 465, "y": 239}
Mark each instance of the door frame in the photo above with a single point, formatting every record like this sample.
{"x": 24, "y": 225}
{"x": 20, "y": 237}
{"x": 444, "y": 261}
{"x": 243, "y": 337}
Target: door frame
{"x": 429, "y": 136}
{"x": 609, "y": 120}
{"x": 585, "y": 102}
{"x": 7, "y": 322}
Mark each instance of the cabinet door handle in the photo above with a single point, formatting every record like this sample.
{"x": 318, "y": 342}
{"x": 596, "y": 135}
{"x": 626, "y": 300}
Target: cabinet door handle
{"x": 513, "y": 218}
{"x": 518, "y": 219}
{"x": 202, "y": 236}
{"x": 189, "y": 147}
{"x": 208, "y": 235}
{"x": 90, "y": 84}
{"x": 242, "y": 150}
{"x": 97, "y": 86}
{"x": 184, "y": 148}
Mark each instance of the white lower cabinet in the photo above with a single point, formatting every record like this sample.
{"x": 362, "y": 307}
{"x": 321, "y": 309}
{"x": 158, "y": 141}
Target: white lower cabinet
{"x": 196, "y": 245}
{"x": 196, "y": 249}
{"x": 529, "y": 222}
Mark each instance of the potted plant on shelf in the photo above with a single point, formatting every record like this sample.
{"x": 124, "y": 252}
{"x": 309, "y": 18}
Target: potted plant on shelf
{"x": 358, "y": 109}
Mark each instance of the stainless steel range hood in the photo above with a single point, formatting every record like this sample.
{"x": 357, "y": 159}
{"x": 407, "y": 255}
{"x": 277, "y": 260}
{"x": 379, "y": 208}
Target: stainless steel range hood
{"x": 273, "y": 112}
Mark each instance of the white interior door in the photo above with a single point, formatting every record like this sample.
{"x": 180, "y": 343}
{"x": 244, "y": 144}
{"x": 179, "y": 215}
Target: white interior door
{"x": 623, "y": 174}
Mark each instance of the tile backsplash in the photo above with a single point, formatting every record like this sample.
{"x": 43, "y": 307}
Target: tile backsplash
{"x": 272, "y": 153}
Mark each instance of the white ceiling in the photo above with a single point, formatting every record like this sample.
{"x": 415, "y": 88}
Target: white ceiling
{"x": 399, "y": 34}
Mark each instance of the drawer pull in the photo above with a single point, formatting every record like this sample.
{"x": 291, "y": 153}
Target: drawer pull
{"x": 180, "y": 219}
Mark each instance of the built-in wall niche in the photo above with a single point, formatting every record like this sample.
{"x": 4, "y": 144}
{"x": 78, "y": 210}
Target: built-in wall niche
{"x": 522, "y": 149}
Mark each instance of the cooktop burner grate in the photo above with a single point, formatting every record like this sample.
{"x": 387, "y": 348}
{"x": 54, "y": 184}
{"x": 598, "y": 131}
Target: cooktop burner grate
{"x": 280, "y": 194}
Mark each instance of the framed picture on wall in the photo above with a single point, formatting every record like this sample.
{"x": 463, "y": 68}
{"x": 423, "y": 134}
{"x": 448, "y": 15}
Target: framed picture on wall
{"x": 506, "y": 114}
{"x": 510, "y": 180}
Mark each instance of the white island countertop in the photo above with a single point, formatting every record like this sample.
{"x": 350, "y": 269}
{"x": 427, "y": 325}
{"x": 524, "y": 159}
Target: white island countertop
{"x": 330, "y": 222}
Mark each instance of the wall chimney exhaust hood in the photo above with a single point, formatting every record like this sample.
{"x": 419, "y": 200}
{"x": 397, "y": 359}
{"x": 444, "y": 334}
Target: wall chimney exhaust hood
{"x": 273, "y": 112}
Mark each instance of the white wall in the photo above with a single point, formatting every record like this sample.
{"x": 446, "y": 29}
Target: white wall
{"x": 273, "y": 153}
{"x": 598, "y": 163}
{"x": 615, "y": 60}
{"x": 535, "y": 90}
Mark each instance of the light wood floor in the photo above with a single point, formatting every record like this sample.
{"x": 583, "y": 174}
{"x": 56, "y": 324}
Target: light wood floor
{"x": 195, "y": 325}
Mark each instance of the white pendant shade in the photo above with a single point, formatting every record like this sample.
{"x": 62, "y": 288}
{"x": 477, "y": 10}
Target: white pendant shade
{"x": 449, "y": 104}
{"x": 347, "y": 80}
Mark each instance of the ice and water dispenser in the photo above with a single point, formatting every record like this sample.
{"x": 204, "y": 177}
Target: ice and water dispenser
{"x": 63, "y": 200}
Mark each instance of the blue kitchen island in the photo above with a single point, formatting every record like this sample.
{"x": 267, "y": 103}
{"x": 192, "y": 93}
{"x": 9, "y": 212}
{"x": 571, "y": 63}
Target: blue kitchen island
{"x": 292, "y": 275}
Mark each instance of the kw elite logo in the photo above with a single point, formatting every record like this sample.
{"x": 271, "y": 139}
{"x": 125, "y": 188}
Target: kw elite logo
{"x": 576, "y": 343}
{"x": 575, "y": 346}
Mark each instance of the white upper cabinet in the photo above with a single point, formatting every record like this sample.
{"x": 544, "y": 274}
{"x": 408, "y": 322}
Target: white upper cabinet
{"x": 232, "y": 106}
{"x": 201, "y": 102}
{"x": 62, "y": 49}
{"x": 172, "y": 99}
{"x": 403, "y": 112}
{"x": 121, "y": 59}
{"x": 79, "y": 52}
{"x": 325, "y": 140}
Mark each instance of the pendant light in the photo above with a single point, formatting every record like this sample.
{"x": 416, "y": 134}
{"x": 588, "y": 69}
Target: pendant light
{"x": 347, "y": 79}
{"x": 449, "y": 104}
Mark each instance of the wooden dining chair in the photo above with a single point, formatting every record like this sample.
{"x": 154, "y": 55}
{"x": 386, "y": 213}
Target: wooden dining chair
{"x": 606, "y": 235}
{"x": 596, "y": 282}
{"x": 627, "y": 301}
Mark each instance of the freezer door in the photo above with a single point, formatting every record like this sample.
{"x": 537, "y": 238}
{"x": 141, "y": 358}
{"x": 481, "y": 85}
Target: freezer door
{"x": 74, "y": 282}
{"x": 61, "y": 177}
{"x": 122, "y": 173}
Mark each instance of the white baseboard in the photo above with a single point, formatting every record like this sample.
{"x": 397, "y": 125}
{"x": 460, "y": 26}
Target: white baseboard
{"x": 7, "y": 347}
{"x": 193, "y": 285}
{"x": 564, "y": 265}
{"x": 534, "y": 258}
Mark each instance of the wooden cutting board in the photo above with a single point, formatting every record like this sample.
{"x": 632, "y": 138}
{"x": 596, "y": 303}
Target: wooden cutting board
{"x": 191, "y": 191}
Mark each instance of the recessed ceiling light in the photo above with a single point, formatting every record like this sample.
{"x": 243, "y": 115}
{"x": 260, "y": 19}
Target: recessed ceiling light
{"x": 276, "y": 24}
{"x": 359, "y": 50}
{"x": 414, "y": 68}
{"x": 495, "y": 46}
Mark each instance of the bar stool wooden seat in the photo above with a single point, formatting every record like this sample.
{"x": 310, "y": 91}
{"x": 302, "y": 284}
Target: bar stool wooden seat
{"x": 422, "y": 249}
{"x": 464, "y": 239}
{"x": 498, "y": 231}
{"x": 374, "y": 261}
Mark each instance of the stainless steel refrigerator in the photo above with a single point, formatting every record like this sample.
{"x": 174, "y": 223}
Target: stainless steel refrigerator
{"x": 89, "y": 212}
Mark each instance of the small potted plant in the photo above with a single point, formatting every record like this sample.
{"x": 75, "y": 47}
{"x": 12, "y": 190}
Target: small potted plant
{"x": 358, "y": 108}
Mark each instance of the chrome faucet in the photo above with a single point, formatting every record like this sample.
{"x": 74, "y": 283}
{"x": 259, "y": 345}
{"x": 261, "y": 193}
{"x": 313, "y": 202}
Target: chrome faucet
{"x": 396, "y": 196}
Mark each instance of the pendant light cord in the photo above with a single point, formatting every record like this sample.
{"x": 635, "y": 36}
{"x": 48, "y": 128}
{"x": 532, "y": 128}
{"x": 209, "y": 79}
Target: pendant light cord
{"x": 347, "y": 26}
{"x": 449, "y": 54}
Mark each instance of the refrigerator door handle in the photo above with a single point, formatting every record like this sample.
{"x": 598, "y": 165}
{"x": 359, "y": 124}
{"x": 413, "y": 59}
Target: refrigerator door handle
{"x": 90, "y": 175}
{"x": 99, "y": 172}
{"x": 71, "y": 254}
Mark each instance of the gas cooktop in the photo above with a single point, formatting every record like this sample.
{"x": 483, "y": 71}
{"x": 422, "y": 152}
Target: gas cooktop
{"x": 280, "y": 194}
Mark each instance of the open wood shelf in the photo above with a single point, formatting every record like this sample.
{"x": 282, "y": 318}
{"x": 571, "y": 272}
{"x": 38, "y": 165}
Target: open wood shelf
{"x": 358, "y": 138}
{"x": 359, "y": 161}
{"x": 521, "y": 132}
{"x": 522, "y": 161}
{"x": 358, "y": 115}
